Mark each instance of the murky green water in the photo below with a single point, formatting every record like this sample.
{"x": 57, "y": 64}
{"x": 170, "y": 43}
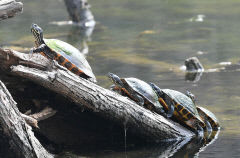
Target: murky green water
{"x": 150, "y": 40}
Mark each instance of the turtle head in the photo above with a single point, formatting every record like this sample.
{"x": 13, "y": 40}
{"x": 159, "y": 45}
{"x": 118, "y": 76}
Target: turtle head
{"x": 191, "y": 96}
{"x": 115, "y": 79}
{"x": 37, "y": 33}
{"x": 156, "y": 89}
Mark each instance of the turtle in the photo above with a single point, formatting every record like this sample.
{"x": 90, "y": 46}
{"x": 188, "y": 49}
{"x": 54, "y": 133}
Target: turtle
{"x": 64, "y": 53}
{"x": 208, "y": 116}
{"x": 181, "y": 106}
{"x": 137, "y": 90}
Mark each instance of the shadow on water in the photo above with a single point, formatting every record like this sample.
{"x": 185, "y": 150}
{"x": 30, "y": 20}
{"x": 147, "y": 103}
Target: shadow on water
{"x": 193, "y": 76}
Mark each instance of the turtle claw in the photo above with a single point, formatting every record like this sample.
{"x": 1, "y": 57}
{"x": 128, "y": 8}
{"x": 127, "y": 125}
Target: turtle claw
{"x": 31, "y": 50}
{"x": 169, "y": 115}
{"x": 112, "y": 87}
{"x": 200, "y": 131}
{"x": 141, "y": 103}
{"x": 161, "y": 112}
{"x": 115, "y": 88}
{"x": 140, "y": 100}
{"x": 52, "y": 76}
{"x": 55, "y": 64}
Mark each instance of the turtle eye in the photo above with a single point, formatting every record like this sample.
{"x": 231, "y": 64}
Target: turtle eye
{"x": 118, "y": 82}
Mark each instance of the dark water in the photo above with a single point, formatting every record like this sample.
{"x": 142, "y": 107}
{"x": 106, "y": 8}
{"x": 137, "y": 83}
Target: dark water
{"x": 150, "y": 40}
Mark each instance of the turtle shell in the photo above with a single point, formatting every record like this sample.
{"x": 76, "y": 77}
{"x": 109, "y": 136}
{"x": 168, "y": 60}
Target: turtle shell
{"x": 206, "y": 114}
{"x": 134, "y": 85}
{"x": 72, "y": 54}
{"x": 185, "y": 101}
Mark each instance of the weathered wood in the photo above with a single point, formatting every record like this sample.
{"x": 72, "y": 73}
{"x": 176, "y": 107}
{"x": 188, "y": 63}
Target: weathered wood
{"x": 108, "y": 104}
{"x": 9, "y": 8}
{"x": 30, "y": 120}
{"x": 21, "y": 138}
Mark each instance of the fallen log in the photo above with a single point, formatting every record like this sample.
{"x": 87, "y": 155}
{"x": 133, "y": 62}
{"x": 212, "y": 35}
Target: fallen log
{"x": 105, "y": 103}
{"x": 19, "y": 135}
{"x": 9, "y": 8}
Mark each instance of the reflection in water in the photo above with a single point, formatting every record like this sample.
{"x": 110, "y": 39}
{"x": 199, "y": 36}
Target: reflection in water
{"x": 79, "y": 37}
{"x": 184, "y": 148}
{"x": 193, "y": 76}
{"x": 210, "y": 140}
{"x": 82, "y": 17}
{"x": 196, "y": 145}
{"x": 125, "y": 137}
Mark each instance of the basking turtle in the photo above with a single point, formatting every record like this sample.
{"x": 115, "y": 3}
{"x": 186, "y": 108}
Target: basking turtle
{"x": 64, "y": 53}
{"x": 137, "y": 90}
{"x": 208, "y": 116}
{"x": 181, "y": 107}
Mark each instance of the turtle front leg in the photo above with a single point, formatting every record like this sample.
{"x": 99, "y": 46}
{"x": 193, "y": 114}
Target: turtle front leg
{"x": 44, "y": 50}
{"x": 170, "y": 110}
{"x": 200, "y": 131}
{"x": 160, "y": 111}
{"x": 113, "y": 87}
{"x": 168, "y": 107}
{"x": 138, "y": 99}
{"x": 39, "y": 49}
{"x": 117, "y": 89}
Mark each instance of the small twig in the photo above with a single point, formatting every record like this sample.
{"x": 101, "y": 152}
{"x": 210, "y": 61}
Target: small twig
{"x": 44, "y": 114}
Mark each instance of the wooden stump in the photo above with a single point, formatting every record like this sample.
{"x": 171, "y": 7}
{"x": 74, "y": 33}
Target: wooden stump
{"x": 80, "y": 13}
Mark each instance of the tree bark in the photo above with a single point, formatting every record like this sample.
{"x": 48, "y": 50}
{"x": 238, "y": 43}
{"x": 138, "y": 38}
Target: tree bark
{"x": 105, "y": 103}
{"x": 9, "y": 8}
{"x": 21, "y": 138}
